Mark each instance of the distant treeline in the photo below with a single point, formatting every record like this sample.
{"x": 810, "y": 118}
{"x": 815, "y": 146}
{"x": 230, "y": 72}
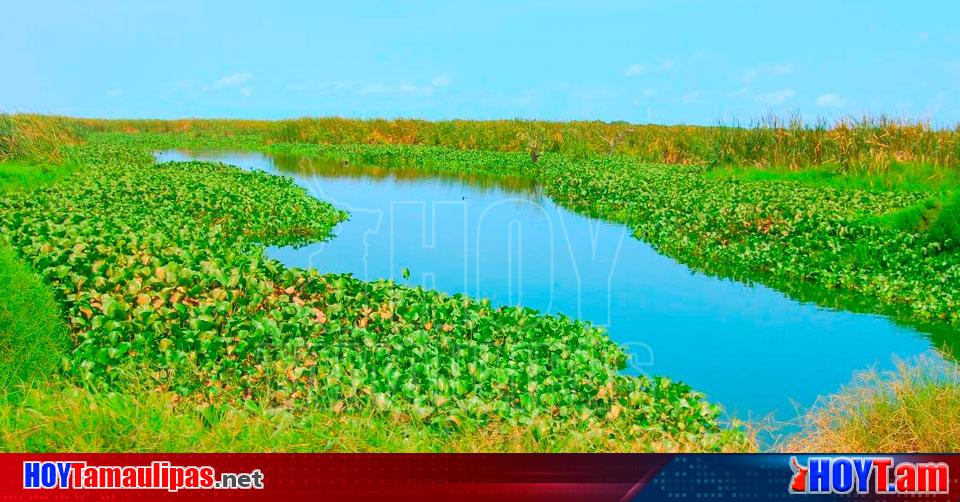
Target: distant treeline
{"x": 851, "y": 145}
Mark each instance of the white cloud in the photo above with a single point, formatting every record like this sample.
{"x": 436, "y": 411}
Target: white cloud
{"x": 700, "y": 56}
{"x": 781, "y": 69}
{"x": 831, "y": 100}
{"x": 596, "y": 93}
{"x": 691, "y": 97}
{"x": 775, "y": 97}
{"x": 174, "y": 88}
{"x": 645, "y": 95}
{"x": 667, "y": 65}
{"x": 778, "y": 70}
{"x": 634, "y": 70}
{"x": 373, "y": 89}
{"x": 321, "y": 88}
{"x": 751, "y": 74}
{"x": 441, "y": 80}
{"x": 524, "y": 99}
{"x": 234, "y": 81}
{"x": 420, "y": 90}
{"x": 407, "y": 88}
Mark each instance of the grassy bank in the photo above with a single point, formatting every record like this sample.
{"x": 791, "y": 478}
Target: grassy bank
{"x": 901, "y": 177}
{"x": 34, "y": 337}
{"x": 25, "y": 176}
{"x": 914, "y": 410}
{"x": 31, "y": 327}
{"x": 867, "y": 145}
{"x": 63, "y": 417}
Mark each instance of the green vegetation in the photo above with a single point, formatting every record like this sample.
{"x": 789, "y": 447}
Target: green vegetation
{"x": 899, "y": 177}
{"x": 867, "y": 145}
{"x": 915, "y": 410}
{"x": 936, "y": 218}
{"x": 181, "y": 323}
{"x": 33, "y": 337}
{"x": 23, "y": 176}
{"x": 161, "y": 275}
{"x": 37, "y": 138}
{"x": 69, "y": 418}
{"x": 946, "y": 226}
{"x": 791, "y": 235}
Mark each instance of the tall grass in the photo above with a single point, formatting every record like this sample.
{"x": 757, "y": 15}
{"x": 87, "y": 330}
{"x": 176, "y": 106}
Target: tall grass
{"x": 33, "y": 336}
{"x": 63, "y": 417}
{"x": 916, "y": 409}
{"x": 864, "y": 145}
{"x": 38, "y": 138}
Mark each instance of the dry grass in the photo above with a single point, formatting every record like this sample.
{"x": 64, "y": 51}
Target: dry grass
{"x": 916, "y": 409}
{"x": 862, "y": 145}
{"x": 38, "y": 138}
{"x": 61, "y": 417}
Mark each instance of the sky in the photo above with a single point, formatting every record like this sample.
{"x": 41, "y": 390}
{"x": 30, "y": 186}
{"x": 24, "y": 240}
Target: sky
{"x": 695, "y": 61}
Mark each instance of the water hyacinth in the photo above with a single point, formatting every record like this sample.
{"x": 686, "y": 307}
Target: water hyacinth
{"x": 785, "y": 234}
{"x": 160, "y": 271}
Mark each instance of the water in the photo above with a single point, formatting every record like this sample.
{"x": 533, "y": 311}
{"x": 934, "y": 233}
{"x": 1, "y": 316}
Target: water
{"x": 750, "y": 348}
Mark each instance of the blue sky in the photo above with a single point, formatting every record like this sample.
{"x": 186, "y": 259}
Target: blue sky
{"x": 645, "y": 61}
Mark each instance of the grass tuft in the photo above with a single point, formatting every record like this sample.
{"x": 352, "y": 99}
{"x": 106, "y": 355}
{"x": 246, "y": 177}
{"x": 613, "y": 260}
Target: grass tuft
{"x": 33, "y": 338}
{"x": 61, "y": 417}
{"x": 946, "y": 227}
{"x": 915, "y": 409}
{"x": 25, "y": 175}
{"x": 41, "y": 138}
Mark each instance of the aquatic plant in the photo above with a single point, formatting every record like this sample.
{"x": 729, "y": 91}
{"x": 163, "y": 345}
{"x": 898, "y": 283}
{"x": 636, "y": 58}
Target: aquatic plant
{"x": 160, "y": 272}
{"x": 785, "y": 233}
{"x": 849, "y": 145}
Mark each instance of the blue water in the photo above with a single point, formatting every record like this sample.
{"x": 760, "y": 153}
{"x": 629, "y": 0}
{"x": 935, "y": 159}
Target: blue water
{"x": 750, "y": 348}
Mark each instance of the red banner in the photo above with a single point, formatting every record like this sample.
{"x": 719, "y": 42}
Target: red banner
{"x": 500, "y": 477}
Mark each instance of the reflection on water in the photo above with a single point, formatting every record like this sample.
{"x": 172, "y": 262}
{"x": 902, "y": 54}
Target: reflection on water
{"x": 299, "y": 166}
{"x": 748, "y": 347}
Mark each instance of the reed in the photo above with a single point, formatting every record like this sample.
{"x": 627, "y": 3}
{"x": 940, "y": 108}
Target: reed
{"x": 850, "y": 145}
{"x": 40, "y": 138}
